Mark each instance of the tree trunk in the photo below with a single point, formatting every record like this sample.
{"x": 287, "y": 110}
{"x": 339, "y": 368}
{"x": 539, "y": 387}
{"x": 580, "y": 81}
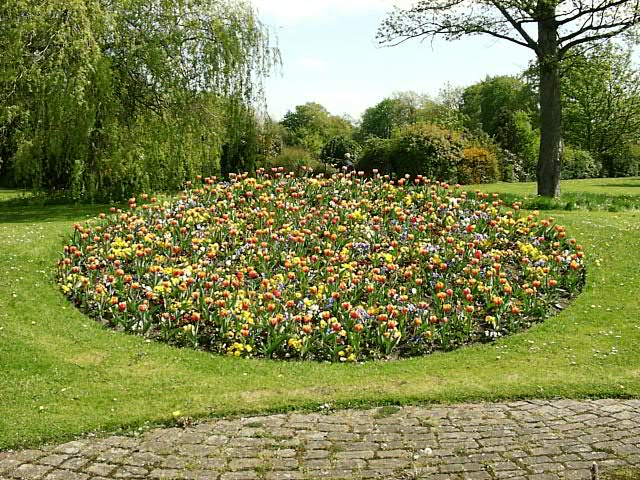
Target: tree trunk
{"x": 549, "y": 161}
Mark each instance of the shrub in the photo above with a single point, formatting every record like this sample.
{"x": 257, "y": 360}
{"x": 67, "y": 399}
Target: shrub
{"x": 375, "y": 155}
{"x": 518, "y": 136}
{"x": 578, "y": 163}
{"x": 478, "y": 165}
{"x": 625, "y": 163}
{"x": 426, "y": 149}
{"x": 340, "y": 150}
{"x": 296, "y": 160}
{"x": 633, "y": 160}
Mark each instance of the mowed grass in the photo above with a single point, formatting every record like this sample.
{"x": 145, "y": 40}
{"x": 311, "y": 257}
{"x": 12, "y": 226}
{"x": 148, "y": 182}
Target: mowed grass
{"x": 610, "y": 194}
{"x": 63, "y": 375}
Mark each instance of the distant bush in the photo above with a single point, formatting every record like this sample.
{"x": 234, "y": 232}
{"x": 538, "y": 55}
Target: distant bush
{"x": 633, "y": 159}
{"x": 297, "y": 160}
{"x": 375, "y": 155}
{"x": 625, "y": 163}
{"x": 478, "y": 165}
{"x": 519, "y": 137}
{"x": 340, "y": 149}
{"x": 578, "y": 163}
{"x": 426, "y": 149}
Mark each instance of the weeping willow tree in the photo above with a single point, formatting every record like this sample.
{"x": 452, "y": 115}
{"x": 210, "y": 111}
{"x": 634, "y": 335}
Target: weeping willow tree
{"x": 102, "y": 98}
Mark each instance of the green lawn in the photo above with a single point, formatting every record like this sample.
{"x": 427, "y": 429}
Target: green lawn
{"x": 11, "y": 194}
{"x": 607, "y": 186}
{"x": 63, "y": 375}
{"x": 612, "y": 194}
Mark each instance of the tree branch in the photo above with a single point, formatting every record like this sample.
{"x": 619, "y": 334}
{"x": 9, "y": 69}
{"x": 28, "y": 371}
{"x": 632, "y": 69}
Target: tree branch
{"x": 530, "y": 42}
{"x": 593, "y": 38}
{"x": 603, "y": 6}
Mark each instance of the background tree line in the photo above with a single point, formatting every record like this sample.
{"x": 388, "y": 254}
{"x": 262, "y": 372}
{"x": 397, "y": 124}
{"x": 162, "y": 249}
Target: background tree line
{"x": 103, "y": 98}
{"x": 481, "y": 133}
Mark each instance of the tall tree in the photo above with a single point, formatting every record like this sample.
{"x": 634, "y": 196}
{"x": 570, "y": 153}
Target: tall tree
{"x": 491, "y": 103}
{"x": 390, "y": 113}
{"x": 311, "y": 125}
{"x": 506, "y": 109}
{"x": 601, "y": 103}
{"x": 551, "y": 28}
{"x": 405, "y": 108}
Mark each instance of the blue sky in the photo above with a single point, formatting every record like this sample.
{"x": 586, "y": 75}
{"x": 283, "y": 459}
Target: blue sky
{"x": 330, "y": 56}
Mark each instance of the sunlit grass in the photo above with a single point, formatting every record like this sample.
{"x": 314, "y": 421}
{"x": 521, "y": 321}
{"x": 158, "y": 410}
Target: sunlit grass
{"x": 63, "y": 375}
{"x": 610, "y": 194}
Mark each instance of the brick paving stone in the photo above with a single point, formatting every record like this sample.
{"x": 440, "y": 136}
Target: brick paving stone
{"x": 576, "y": 475}
{"x": 527, "y": 440}
{"x": 355, "y": 454}
{"x": 393, "y": 454}
{"x": 244, "y": 463}
{"x": 173, "y": 462}
{"x": 73, "y": 463}
{"x": 199, "y": 475}
{"x": 114, "y": 455}
{"x": 284, "y": 463}
{"x": 130, "y": 471}
{"x": 476, "y": 476}
{"x": 28, "y": 455}
{"x": 29, "y": 471}
{"x": 101, "y": 469}
{"x": 163, "y": 473}
{"x": 8, "y": 464}
{"x": 314, "y": 454}
{"x": 53, "y": 460}
{"x": 509, "y": 474}
{"x": 66, "y": 475}
{"x": 246, "y": 475}
{"x": 292, "y": 475}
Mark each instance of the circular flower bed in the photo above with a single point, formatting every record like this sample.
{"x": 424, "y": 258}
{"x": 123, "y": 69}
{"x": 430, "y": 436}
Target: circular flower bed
{"x": 340, "y": 269}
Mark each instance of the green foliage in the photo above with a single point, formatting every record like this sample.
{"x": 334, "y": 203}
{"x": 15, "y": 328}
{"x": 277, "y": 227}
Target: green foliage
{"x": 270, "y": 139}
{"x": 490, "y": 104}
{"x": 505, "y": 109}
{"x": 240, "y": 151}
{"x": 298, "y": 161}
{"x": 577, "y": 163}
{"x": 375, "y": 155}
{"x": 426, "y": 149}
{"x": 405, "y": 108}
{"x": 633, "y": 156}
{"x": 518, "y": 136}
{"x": 432, "y": 151}
{"x": 601, "y": 105}
{"x": 478, "y": 165}
{"x": 625, "y": 162}
{"x": 381, "y": 119}
{"x": 100, "y": 98}
{"x": 340, "y": 150}
{"x": 310, "y": 126}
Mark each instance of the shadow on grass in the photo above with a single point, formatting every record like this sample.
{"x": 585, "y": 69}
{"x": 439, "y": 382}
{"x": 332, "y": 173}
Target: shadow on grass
{"x": 12, "y": 213}
{"x": 616, "y": 185}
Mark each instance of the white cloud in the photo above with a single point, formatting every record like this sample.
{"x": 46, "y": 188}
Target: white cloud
{"x": 292, "y": 11}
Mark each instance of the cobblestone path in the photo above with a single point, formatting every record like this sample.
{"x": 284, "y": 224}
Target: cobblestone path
{"x": 532, "y": 440}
